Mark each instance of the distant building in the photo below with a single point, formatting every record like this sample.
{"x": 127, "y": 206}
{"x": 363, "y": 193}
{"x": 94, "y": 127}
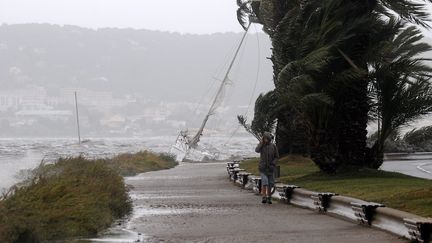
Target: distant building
{"x": 114, "y": 121}
{"x": 101, "y": 100}
{"x": 14, "y": 99}
{"x": 61, "y": 115}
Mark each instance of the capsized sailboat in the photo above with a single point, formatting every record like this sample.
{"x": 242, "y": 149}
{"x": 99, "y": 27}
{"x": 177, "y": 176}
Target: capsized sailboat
{"x": 184, "y": 142}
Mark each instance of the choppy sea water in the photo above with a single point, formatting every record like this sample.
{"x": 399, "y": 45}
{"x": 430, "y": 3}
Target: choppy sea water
{"x": 18, "y": 155}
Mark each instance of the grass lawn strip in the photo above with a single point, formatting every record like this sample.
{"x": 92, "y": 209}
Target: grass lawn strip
{"x": 395, "y": 190}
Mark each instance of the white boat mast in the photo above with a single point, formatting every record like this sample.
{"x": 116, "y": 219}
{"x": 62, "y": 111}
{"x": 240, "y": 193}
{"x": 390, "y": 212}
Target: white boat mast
{"x": 77, "y": 118}
{"x": 219, "y": 95}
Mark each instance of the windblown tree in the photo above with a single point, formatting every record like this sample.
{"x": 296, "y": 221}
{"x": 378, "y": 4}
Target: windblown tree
{"x": 291, "y": 135}
{"x": 325, "y": 83}
{"x": 400, "y": 84}
{"x": 264, "y": 116}
{"x": 322, "y": 58}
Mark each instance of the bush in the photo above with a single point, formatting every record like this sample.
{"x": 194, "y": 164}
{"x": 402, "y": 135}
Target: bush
{"x": 393, "y": 144}
{"x": 74, "y": 197}
{"x": 420, "y": 138}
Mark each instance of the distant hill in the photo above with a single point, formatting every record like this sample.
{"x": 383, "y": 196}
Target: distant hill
{"x": 159, "y": 65}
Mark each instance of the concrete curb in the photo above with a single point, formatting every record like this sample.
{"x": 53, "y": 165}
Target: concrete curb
{"x": 410, "y": 226}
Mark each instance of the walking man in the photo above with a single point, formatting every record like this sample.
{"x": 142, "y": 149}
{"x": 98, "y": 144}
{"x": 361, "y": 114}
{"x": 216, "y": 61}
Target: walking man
{"x": 268, "y": 158}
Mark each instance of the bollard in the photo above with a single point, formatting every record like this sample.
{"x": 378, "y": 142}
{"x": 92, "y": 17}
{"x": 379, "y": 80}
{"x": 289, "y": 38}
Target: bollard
{"x": 256, "y": 182}
{"x": 420, "y": 230}
{"x": 235, "y": 172}
{"x": 365, "y": 212}
{"x": 322, "y": 200}
{"x": 285, "y": 191}
{"x": 243, "y": 178}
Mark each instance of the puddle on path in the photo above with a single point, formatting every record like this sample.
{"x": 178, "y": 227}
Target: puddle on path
{"x": 156, "y": 196}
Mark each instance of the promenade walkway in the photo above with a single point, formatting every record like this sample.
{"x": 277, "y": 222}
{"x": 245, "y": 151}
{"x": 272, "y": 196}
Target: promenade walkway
{"x": 197, "y": 203}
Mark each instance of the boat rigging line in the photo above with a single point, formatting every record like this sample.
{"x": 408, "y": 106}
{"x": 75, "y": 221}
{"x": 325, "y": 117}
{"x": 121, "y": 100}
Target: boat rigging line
{"x": 258, "y": 71}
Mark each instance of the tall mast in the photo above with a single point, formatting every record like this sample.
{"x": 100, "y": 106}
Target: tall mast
{"x": 194, "y": 141}
{"x": 77, "y": 118}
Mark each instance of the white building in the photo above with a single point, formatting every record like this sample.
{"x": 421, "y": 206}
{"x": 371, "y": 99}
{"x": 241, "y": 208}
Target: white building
{"x": 101, "y": 100}
{"x": 14, "y": 99}
{"x": 56, "y": 115}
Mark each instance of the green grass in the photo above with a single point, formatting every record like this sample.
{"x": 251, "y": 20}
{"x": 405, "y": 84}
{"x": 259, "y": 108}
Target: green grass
{"x": 395, "y": 190}
{"x": 73, "y": 197}
{"x": 131, "y": 164}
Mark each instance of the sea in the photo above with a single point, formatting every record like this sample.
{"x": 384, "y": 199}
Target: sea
{"x": 18, "y": 155}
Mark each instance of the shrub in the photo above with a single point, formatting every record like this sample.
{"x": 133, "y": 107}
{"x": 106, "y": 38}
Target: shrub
{"x": 73, "y": 197}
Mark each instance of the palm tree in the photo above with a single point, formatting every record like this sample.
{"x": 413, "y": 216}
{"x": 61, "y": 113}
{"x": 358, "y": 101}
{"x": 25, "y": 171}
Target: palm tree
{"x": 319, "y": 81}
{"x": 321, "y": 64}
{"x": 352, "y": 136}
{"x": 401, "y": 85}
{"x": 290, "y": 130}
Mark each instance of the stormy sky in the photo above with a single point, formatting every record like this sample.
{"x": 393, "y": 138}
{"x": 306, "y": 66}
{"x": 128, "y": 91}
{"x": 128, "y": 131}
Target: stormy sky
{"x": 190, "y": 16}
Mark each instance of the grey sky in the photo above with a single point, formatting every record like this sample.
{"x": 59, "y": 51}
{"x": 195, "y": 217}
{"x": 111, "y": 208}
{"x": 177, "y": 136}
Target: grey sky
{"x": 189, "y": 16}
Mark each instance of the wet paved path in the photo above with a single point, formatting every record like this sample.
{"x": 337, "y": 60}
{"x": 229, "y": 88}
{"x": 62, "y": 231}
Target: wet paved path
{"x": 197, "y": 203}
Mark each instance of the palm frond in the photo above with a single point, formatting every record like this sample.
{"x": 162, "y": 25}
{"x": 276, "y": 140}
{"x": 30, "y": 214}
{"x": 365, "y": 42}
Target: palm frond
{"x": 244, "y": 12}
{"x": 418, "y": 136}
{"x": 401, "y": 82}
{"x": 264, "y": 120}
{"x": 409, "y": 10}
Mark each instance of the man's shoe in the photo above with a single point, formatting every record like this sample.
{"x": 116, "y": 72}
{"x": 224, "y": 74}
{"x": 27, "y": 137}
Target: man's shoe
{"x": 269, "y": 200}
{"x": 264, "y": 200}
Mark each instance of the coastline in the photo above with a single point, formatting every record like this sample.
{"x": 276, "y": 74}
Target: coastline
{"x": 23, "y": 154}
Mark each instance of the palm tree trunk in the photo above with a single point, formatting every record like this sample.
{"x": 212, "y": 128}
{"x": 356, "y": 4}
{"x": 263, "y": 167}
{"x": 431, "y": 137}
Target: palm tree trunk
{"x": 375, "y": 155}
{"x": 350, "y": 130}
{"x": 282, "y": 137}
{"x": 352, "y": 104}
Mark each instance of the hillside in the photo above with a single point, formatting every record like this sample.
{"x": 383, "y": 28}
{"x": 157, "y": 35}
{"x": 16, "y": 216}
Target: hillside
{"x": 159, "y": 65}
{"x": 129, "y": 82}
